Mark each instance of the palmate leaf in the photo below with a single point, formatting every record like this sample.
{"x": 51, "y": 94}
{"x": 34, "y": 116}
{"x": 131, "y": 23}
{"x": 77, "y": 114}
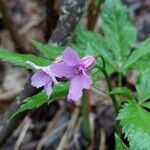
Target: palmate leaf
{"x": 91, "y": 43}
{"x": 21, "y": 59}
{"x": 41, "y": 98}
{"x": 119, "y": 144}
{"x": 48, "y": 51}
{"x": 136, "y": 125}
{"x": 82, "y": 37}
{"x": 143, "y": 87}
{"x": 119, "y": 33}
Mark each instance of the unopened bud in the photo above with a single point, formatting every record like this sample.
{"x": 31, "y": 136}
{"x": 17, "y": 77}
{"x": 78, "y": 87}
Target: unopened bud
{"x": 89, "y": 61}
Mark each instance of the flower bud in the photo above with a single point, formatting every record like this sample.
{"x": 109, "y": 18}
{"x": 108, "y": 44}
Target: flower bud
{"x": 89, "y": 62}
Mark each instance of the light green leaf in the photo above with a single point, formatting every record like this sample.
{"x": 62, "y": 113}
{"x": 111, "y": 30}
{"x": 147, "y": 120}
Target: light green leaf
{"x": 143, "y": 87}
{"x": 136, "y": 55}
{"x": 49, "y": 51}
{"x": 119, "y": 143}
{"x": 21, "y": 59}
{"x": 136, "y": 125}
{"x": 119, "y": 33}
{"x": 41, "y": 98}
{"x": 122, "y": 91}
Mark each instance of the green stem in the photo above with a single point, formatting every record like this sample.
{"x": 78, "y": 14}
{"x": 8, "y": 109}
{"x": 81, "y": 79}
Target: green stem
{"x": 119, "y": 79}
{"x": 113, "y": 98}
{"x": 101, "y": 90}
{"x": 85, "y": 115}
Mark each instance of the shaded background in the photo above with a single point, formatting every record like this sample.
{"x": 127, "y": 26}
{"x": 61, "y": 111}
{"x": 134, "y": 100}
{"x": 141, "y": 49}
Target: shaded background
{"x": 46, "y": 127}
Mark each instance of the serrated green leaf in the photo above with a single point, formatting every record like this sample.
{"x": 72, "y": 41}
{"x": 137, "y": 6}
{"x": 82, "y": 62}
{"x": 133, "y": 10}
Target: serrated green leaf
{"x": 143, "y": 50}
{"x": 49, "y": 51}
{"x": 119, "y": 143}
{"x": 119, "y": 33}
{"x": 82, "y": 37}
{"x": 86, "y": 40}
{"x": 136, "y": 125}
{"x": 89, "y": 50}
{"x": 21, "y": 59}
{"x": 92, "y": 43}
{"x": 41, "y": 98}
{"x": 122, "y": 91}
{"x": 143, "y": 87}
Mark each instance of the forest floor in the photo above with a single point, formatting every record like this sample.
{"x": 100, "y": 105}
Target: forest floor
{"x": 57, "y": 126}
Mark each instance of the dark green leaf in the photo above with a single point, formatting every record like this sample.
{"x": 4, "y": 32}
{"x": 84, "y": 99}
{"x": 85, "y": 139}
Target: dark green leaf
{"x": 41, "y": 98}
{"x": 49, "y": 51}
{"x": 146, "y": 104}
{"x": 82, "y": 37}
{"x": 136, "y": 55}
{"x": 21, "y": 59}
{"x": 136, "y": 125}
{"x": 91, "y": 43}
{"x": 119, "y": 32}
{"x": 119, "y": 143}
{"x": 122, "y": 91}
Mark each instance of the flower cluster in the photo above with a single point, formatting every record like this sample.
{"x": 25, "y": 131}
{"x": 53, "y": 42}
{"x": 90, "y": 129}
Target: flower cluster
{"x": 68, "y": 66}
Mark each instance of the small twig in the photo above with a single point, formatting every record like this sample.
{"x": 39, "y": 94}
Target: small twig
{"x": 18, "y": 41}
{"x": 49, "y": 129}
{"x": 93, "y": 13}
{"x": 27, "y": 123}
{"x": 69, "y": 131}
{"x": 51, "y": 18}
{"x": 102, "y": 140}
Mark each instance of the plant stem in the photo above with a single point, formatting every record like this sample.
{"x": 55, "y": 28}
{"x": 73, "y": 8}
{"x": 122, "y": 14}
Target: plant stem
{"x": 102, "y": 90}
{"x": 85, "y": 115}
{"x": 113, "y": 98}
{"x": 51, "y": 18}
{"x": 93, "y": 13}
{"x": 119, "y": 79}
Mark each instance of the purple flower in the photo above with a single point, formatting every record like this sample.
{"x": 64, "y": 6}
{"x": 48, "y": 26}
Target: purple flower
{"x": 43, "y": 78}
{"x": 76, "y": 70}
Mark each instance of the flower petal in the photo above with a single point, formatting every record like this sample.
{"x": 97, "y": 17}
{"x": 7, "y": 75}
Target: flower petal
{"x": 77, "y": 84}
{"x": 39, "y": 79}
{"x": 49, "y": 72}
{"x": 70, "y": 57}
{"x": 61, "y": 70}
{"x": 48, "y": 88}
